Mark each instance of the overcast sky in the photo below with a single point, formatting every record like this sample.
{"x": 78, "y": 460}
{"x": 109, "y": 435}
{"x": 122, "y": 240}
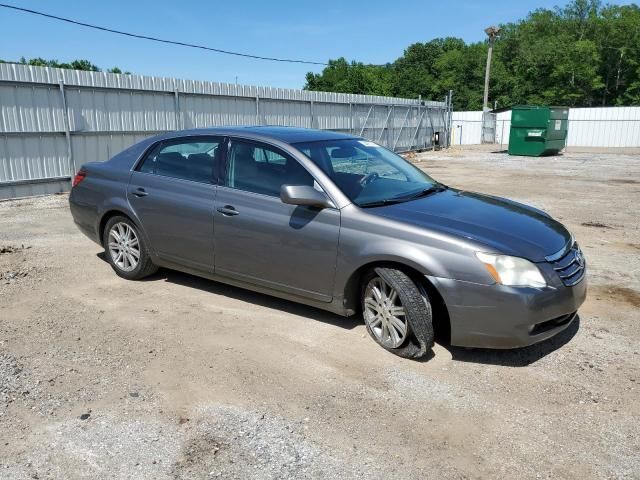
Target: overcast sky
{"x": 365, "y": 30}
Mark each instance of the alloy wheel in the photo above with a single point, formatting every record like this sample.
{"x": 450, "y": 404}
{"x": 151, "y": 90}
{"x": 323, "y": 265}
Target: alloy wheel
{"x": 124, "y": 247}
{"x": 384, "y": 313}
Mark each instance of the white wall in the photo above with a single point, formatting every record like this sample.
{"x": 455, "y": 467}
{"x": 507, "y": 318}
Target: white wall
{"x": 503, "y": 125}
{"x": 588, "y": 127}
{"x": 604, "y": 127}
{"x": 466, "y": 128}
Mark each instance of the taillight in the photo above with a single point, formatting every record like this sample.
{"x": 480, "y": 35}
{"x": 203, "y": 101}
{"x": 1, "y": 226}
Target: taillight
{"x": 80, "y": 176}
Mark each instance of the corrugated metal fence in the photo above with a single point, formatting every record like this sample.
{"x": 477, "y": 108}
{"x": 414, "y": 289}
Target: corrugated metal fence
{"x": 53, "y": 120}
{"x": 605, "y": 127}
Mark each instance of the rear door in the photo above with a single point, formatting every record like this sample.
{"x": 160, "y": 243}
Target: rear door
{"x": 172, "y": 192}
{"x": 261, "y": 240}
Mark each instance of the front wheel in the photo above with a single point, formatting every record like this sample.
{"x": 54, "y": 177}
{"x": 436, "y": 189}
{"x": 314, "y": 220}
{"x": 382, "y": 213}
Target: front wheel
{"x": 126, "y": 250}
{"x": 397, "y": 312}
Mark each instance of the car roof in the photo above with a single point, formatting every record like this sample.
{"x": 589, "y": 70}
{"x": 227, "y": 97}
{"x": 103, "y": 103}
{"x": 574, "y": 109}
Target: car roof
{"x": 283, "y": 134}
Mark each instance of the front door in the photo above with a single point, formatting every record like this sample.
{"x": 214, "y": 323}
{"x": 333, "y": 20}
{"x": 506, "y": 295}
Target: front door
{"x": 172, "y": 193}
{"x": 259, "y": 239}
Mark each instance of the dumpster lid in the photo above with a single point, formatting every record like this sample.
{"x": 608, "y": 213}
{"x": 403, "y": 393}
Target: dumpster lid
{"x": 527, "y": 107}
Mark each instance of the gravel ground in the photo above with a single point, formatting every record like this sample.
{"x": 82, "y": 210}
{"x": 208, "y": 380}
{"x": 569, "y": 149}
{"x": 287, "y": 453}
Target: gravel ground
{"x": 179, "y": 377}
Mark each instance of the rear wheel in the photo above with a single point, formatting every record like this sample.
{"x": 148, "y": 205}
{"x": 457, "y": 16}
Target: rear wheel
{"x": 126, "y": 250}
{"x": 397, "y": 312}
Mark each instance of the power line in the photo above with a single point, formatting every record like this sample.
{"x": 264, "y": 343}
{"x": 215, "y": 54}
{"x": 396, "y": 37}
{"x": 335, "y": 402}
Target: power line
{"x": 191, "y": 45}
{"x": 160, "y": 40}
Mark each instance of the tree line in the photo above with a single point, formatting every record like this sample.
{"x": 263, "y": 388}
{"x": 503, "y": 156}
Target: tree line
{"x": 73, "y": 65}
{"x": 583, "y": 54}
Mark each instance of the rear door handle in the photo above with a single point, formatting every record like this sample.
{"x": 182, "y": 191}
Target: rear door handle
{"x": 228, "y": 211}
{"x": 139, "y": 192}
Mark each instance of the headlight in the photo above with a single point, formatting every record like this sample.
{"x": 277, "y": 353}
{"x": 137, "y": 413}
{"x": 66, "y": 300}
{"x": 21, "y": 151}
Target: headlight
{"x": 512, "y": 271}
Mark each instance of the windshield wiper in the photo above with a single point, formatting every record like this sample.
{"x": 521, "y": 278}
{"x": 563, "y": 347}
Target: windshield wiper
{"x": 405, "y": 198}
{"x": 381, "y": 203}
{"x": 439, "y": 187}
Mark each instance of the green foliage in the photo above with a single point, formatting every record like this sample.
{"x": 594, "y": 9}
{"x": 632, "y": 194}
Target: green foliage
{"x": 342, "y": 77}
{"x": 74, "y": 65}
{"x": 584, "y": 54}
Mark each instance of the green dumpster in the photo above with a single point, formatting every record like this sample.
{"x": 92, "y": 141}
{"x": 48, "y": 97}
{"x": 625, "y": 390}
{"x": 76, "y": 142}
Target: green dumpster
{"x": 537, "y": 131}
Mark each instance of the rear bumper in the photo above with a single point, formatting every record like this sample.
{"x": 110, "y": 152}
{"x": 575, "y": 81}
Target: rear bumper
{"x": 495, "y": 316}
{"x": 85, "y": 217}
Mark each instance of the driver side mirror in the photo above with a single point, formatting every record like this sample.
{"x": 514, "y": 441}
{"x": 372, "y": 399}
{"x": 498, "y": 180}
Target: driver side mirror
{"x": 304, "y": 195}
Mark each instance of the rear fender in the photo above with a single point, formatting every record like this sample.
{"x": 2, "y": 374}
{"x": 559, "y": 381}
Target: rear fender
{"x": 121, "y": 205}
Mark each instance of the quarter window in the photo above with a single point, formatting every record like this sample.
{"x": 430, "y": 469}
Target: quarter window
{"x": 192, "y": 160}
{"x": 261, "y": 169}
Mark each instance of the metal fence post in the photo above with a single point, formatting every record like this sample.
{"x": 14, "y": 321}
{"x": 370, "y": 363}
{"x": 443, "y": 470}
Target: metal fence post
{"x": 67, "y": 131}
{"x": 311, "y": 112}
{"x": 386, "y": 122}
{"x": 449, "y": 117}
{"x": 176, "y": 102}
{"x": 351, "y": 118}
{"x": 433, "y": 144}
{"x": 413, "y": 139}
{"x": 364, "y": 125}
{"x": 419, "y": 104}
{"x": 445, "y": 123}
{"x": 257, "y": 110}
{"x": 392, "y": 121}
{"x": 401, "y": 128}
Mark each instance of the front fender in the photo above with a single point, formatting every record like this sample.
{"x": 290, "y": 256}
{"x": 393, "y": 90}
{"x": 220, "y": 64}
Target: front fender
{"x": 368, "y": 241}
{"x": 393, "y": 251}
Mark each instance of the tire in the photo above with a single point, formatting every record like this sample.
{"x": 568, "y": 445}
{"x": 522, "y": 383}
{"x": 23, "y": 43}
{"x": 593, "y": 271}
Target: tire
{"x": 125, "y": 265}
{"x": 411, "y": 299}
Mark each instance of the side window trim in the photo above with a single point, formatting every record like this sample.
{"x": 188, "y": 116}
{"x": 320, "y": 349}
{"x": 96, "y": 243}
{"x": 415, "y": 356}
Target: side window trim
{"x": 150, "y": 149}
{"x": 264, "y": 146}
{"x": 220, "y": 170}
{"x": 157, "y": 146}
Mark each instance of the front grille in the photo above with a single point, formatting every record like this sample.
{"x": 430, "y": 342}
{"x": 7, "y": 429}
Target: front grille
{"x": 570, "y": 267}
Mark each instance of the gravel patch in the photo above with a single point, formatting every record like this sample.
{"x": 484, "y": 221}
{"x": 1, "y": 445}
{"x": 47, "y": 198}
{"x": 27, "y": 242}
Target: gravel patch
{"x": 179, "y": 377}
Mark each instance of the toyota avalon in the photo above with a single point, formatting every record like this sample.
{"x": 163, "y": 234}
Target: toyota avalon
{"x": 340, "y": 223}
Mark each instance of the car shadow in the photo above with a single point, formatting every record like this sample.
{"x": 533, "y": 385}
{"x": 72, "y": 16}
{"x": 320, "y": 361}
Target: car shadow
{"x": 255, "y": 298}
{"x": 249, "y": 296}
{"x": 302, "y": 215}
{"x": 518, "y": 357}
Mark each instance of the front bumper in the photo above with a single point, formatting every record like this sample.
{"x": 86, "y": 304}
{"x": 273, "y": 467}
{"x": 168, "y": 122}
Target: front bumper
{"x": 496, "y": 316}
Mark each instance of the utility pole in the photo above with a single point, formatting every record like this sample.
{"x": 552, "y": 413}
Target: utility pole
{"x": 492, "y": 32}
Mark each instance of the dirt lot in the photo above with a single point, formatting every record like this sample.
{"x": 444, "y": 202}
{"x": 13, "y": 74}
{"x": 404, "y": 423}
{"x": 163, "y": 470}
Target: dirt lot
{"x": 178, "y": 377}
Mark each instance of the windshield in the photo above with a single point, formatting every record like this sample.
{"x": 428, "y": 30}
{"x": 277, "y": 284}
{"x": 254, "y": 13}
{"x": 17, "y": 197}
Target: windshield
{"x": 367, "y": 173}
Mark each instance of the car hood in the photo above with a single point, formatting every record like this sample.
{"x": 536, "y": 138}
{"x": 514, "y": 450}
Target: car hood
{"x": 503, "y": 225}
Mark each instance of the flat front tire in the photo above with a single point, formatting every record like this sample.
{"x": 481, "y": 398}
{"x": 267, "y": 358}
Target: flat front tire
{"x": 397, "y": 312}
{"x": 126, "y": 250}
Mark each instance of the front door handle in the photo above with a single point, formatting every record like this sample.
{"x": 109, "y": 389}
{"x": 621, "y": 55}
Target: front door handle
{"x": 228, "y": 211}
{"x": 139, "y": 192}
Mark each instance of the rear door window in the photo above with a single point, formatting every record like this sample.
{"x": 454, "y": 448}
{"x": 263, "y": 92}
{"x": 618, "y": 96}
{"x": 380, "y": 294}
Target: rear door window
{"x": 193, "y": 159}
